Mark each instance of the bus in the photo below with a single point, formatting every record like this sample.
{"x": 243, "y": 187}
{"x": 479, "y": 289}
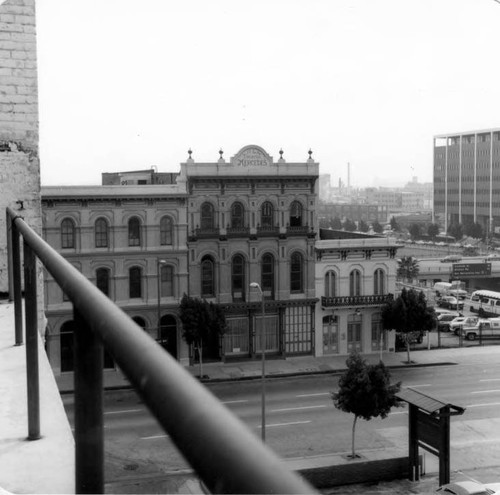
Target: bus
{"x": 487, "y": 300}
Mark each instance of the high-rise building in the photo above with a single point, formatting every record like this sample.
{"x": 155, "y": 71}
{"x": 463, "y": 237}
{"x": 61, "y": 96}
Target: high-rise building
{"x": 467, "y": 178}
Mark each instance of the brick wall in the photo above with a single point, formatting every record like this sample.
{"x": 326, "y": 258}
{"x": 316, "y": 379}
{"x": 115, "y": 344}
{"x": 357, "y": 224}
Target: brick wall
{"x": 19, "y": 160}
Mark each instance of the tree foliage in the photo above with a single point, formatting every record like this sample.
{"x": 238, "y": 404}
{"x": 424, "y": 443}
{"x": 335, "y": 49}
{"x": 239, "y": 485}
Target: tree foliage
{"x": 474, "y": 230}
{"x": 349, "y": 225}
{"x": 363, "y": 226}
{"x": 336, "y": 223}
{"x": 408, "y": 268}
{"x": 200, "y": 320}
{"x": 377, "y": 228}
{"x": 365, "y": 390}
{"x": 456, "y": 230}
{"x": 415, "y": 230}
{"x": 433, "y": 230}
{"x": 408, "y": 314}
{"x": 394, "y": 224}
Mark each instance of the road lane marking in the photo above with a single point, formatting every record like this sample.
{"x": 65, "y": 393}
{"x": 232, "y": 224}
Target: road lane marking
{"x": 484, "y": 405}
{"x": 124, "y": 411}
{"x": 313, "y": 395}
{"x": 490, "y": 380}
{"x": 234, "y": 401}
{"x": 298, "y": 408}
{"x": 422, "y": 385}
{"x": 286, "y": 424}
{"x": 484, "y": 391}
{"x": 154, "y": 436}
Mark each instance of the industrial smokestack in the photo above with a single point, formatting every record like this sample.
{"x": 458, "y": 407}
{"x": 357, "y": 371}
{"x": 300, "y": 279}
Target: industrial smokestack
{"x": 349, "y": 177}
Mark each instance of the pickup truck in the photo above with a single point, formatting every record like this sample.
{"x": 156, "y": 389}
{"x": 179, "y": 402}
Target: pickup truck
{"x": 484, "y": 329}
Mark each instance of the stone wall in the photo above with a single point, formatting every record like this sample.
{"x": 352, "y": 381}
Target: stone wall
{"x": 19, "y": 160}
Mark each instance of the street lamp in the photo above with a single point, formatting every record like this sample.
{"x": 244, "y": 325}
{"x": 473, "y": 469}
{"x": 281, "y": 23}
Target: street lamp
{"x": 255, "y": 285}
{"x": 159, "y": 263}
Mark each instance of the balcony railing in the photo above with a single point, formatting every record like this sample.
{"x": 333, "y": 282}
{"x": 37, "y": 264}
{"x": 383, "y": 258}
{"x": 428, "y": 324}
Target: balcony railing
{"x": 238, "y": 231}
{"x": 226, "y": 456}
{"x": 206, "y": 233}
{"x": 268, "y": 230}
{"x": 353, "y": 301}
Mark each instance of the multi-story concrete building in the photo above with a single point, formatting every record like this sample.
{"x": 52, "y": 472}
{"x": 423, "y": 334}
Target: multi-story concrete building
{"x": 356, "y": 212}
{"x": 355, "y": 277}
{"x": 253, "y": 220}
{"x": 467, "y": 178}
{"x": 131, "y": 242}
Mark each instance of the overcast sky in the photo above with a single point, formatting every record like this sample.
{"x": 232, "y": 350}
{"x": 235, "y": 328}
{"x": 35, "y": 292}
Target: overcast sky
{"x": 126, "y": 85}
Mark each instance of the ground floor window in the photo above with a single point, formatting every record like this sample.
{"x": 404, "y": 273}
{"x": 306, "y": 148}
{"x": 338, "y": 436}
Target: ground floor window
{"x": 298, "y": 330}
{"x": 330, "y": 334}
{"x": 379, "y": 335}
{"x": 271, "y": 333}
{"x": 236, "y": 339}
{"x": 354, "y": 332}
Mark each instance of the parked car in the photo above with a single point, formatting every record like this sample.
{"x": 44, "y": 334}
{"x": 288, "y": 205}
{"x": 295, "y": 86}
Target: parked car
{"x": 452, "y": 258}
{"x": 450, "y": 302}
{"x": 444, "y": 320}
{"x": 461, "y": 321}
{"x": 469, "y": 488}
{"x": 484, "y": 329}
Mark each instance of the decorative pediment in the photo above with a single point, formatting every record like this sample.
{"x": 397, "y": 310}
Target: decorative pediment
{"x": 252, "y": 156}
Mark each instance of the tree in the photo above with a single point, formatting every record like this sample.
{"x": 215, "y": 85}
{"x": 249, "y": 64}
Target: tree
{"x": 377, "y": 228}
{"x": 415, "y": 230}
{"x": 363, "y": 226}
{"x": 408, "y": 315}
{"x": 433, "y": 230}
{"x": 336, "y": 223}
{"x": 408, "y": 268}
{"x": 474, "y": 230}
{"x": 349, "y": 225}
{"x": 456, "y": 230}
{"x": 200, "y": 320}
{"x": 365, "y": 391}
{"x": 394, "y": 224}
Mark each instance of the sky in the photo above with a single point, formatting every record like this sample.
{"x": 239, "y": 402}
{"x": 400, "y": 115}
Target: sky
{"x": 127, "y": 85}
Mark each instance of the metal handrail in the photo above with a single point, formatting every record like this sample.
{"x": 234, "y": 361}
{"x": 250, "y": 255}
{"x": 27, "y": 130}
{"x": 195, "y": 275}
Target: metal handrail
{"x": 225, "y": 454}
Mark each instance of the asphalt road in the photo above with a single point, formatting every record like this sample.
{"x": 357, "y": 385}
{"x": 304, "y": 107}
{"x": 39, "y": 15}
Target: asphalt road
{"x": 301, "y": 420}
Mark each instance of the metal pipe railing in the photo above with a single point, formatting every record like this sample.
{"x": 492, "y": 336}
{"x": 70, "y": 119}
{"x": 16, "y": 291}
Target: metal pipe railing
{"x": 227, "y": 456}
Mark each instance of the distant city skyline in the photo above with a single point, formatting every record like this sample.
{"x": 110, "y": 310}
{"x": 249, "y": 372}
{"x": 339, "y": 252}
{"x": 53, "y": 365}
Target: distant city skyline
{"x": 127, "y": 86}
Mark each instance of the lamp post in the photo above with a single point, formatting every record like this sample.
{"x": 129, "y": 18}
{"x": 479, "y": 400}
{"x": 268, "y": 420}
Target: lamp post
{"x": 255, "y": 285}
{"x": 159, "y": 263}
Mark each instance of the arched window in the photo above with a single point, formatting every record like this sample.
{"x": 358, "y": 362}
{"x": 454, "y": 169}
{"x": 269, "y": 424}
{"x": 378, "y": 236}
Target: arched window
{"x": 295, "y": 214}
{"x": 267, "y": 275}
{"x": 167, "y": 281}
{"x": 267, "y": 214}
{"x": 135, "y": 282}
{"x": 67, "y": 234}
{"x": 102, "y": 280}
{"x": 134, "y": 232}
{"x": 166, "y": 228}
{"x": 355, "y": 283}
{"x": 237, "y": 216}
{"x": 101, "y": 233}
{"x": 379, "y": 282}
{"x": 238, "y": 277}
{"x": 207, "y": 277}
{"x": 297, "y": 273}
{"x": 207, "y": 216}
{"x": 330, "y": 284}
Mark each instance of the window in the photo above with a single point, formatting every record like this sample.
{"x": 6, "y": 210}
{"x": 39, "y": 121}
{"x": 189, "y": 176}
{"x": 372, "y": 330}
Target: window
{"x": 67, "y": 234}
{"x": 207, "y": 277}
{"x": 238, "y": 277}
{"x": 101, "y": 233}
{"x": 379, "y": 282}
{"x": 296, "y": 273}
{"x": 267, "y": 275}
{"x": 330, "y": 334}
{"x": 330, "y": 284}
{"x": 267, "y": 215}
{"x": 355, "y": 283}
{"x": 167, "y": 281}
{"x": 354, "y": 332}
{"x": 379, "y": 336}
{"x": 102, "y": 280}
{"x": 166, "y": 227}
{"x": 207, "y": 216}
{"x": 237, "y": 216}
{"x": 135, "y": 279}
{"x": 134, "y": 232}
{"x": 296, "y": 214}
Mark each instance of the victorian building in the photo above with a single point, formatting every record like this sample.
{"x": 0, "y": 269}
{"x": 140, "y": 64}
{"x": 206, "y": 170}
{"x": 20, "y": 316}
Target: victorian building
{"x": 355, "y": 277}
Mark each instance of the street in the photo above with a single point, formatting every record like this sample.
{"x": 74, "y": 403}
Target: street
{"x": 301, "y": 420}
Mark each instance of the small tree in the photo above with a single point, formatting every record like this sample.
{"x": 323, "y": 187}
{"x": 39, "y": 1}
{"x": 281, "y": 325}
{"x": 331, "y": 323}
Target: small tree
{"x": 408, "y": 315}
{"x": 408, "y": 268}
{"x": 394, "y": 224}
{"x": 474, "y": 230}
{"x": 365, "y": 391}
{"x": 377, "y": 228}
{"x": 349, "y": 225}
{"x": 363, "y": 226}
{"x": 433, "y": 230}
{"x": 415, "y": 230}
{"x": 200, "y": 320}
{"x": 336, "y": 223}
{"x": 456, "y": 230}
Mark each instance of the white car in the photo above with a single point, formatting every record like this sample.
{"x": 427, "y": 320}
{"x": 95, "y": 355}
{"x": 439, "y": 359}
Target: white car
{"x": 469, "y": 488}
{"x": 457, "y": 324}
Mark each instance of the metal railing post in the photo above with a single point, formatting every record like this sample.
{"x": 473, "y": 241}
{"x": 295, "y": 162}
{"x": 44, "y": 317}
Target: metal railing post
{"x": 16, "y": 275}
{"x": 89, "y": 430}
{"x": 31, "y": 318}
